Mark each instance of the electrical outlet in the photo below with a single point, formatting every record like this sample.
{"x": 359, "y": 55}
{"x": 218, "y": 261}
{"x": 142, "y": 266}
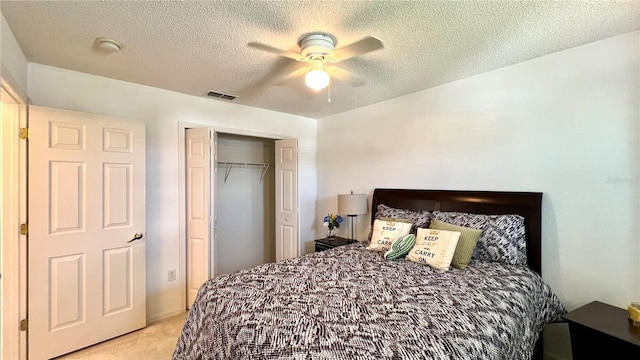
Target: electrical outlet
{"x": 172, "y": 275}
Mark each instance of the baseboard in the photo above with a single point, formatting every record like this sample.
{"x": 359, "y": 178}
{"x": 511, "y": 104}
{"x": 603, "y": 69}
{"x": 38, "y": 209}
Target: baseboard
{"x": 164, "y": 316}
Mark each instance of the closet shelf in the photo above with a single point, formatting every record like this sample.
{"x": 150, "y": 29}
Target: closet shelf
{"x": 243, "y": 163}
{"x": 230, "y": 164}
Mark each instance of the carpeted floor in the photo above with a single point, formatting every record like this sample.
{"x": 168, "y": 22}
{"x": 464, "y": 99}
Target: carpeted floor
{"x": 156, "y": 341}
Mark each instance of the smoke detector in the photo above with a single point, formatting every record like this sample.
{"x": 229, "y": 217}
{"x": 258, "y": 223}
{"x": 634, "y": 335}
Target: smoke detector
{"x": 107, "y": 45}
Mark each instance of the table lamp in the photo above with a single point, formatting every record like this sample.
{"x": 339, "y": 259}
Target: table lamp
{"x": 352, "y": 205}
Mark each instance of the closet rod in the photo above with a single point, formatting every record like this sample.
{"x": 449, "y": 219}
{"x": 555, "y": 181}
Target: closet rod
{"x": 229, "y": 165}
{"x": 243, "y": 163}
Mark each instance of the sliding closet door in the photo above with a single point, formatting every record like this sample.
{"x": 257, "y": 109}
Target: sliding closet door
{"x": 198, "y": 209}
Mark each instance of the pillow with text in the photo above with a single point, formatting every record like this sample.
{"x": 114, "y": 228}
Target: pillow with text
{"x": 434, "y": 248}
{"x": 386, "y": 231}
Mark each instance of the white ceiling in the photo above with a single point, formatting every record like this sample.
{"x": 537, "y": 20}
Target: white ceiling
{"x": 194, "y": 47}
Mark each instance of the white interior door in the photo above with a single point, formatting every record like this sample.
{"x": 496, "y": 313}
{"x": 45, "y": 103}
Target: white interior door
{"x": 198, "y": 185}
{"x": 286, "y": 199}
{"x": 86, "y": 203}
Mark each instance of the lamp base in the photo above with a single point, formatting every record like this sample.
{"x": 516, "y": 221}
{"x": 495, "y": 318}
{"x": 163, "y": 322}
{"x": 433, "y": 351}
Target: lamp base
{"x": 351, "y": 219}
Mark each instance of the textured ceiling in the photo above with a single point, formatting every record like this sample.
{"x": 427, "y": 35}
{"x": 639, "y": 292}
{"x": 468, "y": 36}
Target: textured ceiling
{"x": 194, "y": 47}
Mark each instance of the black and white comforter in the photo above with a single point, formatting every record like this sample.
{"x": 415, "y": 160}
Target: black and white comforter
{"x": 351, "y": 303}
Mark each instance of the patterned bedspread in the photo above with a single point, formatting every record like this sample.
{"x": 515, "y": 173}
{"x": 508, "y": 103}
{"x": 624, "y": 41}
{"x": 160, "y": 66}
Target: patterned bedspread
{"x": 351, "y": 303}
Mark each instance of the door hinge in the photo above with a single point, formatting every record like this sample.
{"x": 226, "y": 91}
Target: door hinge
{"x": 24, "y": 324}
{"x": 24, "y": 229}
{"x": 24, "y": 133}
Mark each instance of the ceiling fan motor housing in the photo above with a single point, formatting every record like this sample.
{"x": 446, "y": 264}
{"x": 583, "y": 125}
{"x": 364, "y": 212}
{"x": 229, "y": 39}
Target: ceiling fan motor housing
{"x": 316, "y": 44}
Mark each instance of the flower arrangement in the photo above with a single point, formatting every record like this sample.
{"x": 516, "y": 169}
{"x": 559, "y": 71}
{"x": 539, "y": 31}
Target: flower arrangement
{"x": 332, "y": 221}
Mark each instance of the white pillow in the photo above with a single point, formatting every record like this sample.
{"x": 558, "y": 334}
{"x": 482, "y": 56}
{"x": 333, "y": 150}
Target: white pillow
{"x": 434, "y": 248}
{"x": 386, "y": 231}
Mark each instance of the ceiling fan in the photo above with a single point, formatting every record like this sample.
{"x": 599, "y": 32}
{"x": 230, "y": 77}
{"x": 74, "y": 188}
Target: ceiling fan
{"x": 318, "y": 50}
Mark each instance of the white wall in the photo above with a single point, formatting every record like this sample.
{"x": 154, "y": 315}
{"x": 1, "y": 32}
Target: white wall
{"x": 565, "y": 124}
{"x": 162, "y": 110}
{"x": 14, "y": 63}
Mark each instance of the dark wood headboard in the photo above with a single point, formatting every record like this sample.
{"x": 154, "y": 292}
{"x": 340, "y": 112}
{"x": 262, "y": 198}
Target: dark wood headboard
{"x": 525, "y": 204}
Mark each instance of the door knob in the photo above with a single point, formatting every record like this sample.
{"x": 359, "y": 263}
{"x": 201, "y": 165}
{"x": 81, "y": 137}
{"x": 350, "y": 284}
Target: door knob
{"x": 136, "y": 236}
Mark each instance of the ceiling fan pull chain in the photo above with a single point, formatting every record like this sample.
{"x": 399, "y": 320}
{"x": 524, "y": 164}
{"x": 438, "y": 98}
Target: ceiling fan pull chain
{"x": 329, "y": 91}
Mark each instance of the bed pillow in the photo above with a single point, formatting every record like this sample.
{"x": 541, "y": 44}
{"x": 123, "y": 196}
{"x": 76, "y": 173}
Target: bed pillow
{"x": 434, "y": 248}
{"x": 502, "y": 239}
{"x": 418, "y": 218}
{"x": 466, "y": 243}
{"x": 386, "y": 231}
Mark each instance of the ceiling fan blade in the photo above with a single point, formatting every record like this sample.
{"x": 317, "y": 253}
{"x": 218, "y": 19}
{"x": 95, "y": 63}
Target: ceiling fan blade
{"x": 271, "y": 49}
{"x": 359, "y": 47}
{"x": 346, "y": 76}
{"x": 281, "y": 67}
{"x": 294, "y": 74}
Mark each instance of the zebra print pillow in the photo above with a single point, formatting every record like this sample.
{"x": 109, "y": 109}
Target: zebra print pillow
{"x": 419, "y": 219}
{"x": 502, "y": 239}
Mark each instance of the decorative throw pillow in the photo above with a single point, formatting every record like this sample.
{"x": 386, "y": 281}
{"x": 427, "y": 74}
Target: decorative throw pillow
{"x": 434, "y": 248}
{"x": 418, "y": 218}
{"x": 386, "y": 231}
{"x": 466, "y": 243}
{"x": 502, "y": 239}
{"x": 400, "y": 247}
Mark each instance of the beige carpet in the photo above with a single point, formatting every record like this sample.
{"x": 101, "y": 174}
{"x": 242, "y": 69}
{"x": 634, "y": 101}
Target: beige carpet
{"x": 156, "y": 341}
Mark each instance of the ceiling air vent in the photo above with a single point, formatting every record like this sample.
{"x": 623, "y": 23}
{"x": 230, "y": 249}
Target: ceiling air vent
{"x": 221, "y": 96}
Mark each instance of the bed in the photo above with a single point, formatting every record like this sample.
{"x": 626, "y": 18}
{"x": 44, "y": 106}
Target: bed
{"x": 352, "y": 303}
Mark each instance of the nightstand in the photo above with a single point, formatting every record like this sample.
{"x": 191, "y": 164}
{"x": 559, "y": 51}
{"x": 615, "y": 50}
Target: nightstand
{"x": 602, "y": 331}
{"x": 330, "y": 243}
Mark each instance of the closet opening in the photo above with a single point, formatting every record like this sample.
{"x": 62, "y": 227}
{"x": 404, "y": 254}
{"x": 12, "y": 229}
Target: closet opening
{"x": 241, "y": 204}
{"x": 245, "y": 203}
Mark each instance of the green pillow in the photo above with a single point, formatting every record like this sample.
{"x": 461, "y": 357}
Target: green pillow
{"x": 467, "y": 242}
{"x": 400, "y": 247}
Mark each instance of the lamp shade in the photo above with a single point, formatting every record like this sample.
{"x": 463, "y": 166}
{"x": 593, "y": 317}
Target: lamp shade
{"x": 352, "y": 204}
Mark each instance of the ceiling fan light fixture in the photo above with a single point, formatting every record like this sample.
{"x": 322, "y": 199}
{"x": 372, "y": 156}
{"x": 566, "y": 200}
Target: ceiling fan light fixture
{"x": 317, "y": 79}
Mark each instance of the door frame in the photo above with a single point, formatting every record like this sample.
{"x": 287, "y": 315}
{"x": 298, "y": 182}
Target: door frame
{"x": 14, "y": 248}
{"x": 182, "y": 217}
